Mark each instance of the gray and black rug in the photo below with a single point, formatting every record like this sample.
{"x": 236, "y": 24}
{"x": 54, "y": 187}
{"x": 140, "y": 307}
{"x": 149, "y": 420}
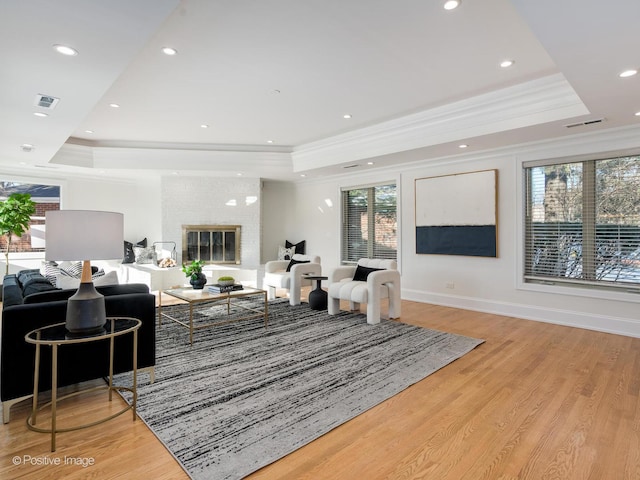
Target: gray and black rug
{"x": 244, "y": 396}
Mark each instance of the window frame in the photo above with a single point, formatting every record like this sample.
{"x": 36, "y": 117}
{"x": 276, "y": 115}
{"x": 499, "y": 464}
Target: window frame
{"x": 35, "y": 252}
{"x": 344, "y": 259}
{"x": 575, "y": 287}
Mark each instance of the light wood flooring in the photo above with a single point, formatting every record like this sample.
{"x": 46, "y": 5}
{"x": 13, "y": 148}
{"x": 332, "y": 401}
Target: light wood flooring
{"x": 535, "y": 401}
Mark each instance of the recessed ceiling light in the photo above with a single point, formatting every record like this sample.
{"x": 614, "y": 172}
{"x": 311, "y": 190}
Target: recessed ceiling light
{"x": 637, "y": 114}
{"x": 346, "y": 115}
{"x": 506, "y": 63}
{"x": 628, "y": 73}
{"x": 204, "y": 125}
{"x": 239, "y": 174}
{"x": 169, "y": 51}
{"x": 174, "y": 173}
{"x": 40, "y": 114}
{"x": 114, "y": 105}
{"x": 65, "y": 50}
{"x": 463, "y": 145}
{"x": 26, "y": 147}
{"x": 88, "y": 131}
{"x": 451, "y": 4}
{"x": 303, "y": 174}
{"x": 369, "y": 163}
{"x": 269, "y": 141}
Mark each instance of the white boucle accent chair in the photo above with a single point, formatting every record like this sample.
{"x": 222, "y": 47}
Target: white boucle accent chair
{"x": 379, "y": 284}
{"x": 276, "y": 276}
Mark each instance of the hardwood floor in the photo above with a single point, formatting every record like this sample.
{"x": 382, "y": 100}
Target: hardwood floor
{"x": 535, "y": 401}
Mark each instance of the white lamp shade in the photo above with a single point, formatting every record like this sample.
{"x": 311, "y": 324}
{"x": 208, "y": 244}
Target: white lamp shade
{"x": 84, "y": 235}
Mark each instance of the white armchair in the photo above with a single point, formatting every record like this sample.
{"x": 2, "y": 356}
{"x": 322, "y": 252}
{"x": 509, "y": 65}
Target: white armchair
{"x": 277, "y": 276}
{"x": 381, "y": 282}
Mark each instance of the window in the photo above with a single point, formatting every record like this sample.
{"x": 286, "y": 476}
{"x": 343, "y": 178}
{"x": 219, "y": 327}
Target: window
{"x": 211, "y": 243}
{"x": 369, "y": 223}
{"x": 582, "y": 223}
{"x": 46, "y": 198}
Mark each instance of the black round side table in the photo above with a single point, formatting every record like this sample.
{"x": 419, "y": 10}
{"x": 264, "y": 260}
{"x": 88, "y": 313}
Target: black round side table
{"x": 317, "y": 296}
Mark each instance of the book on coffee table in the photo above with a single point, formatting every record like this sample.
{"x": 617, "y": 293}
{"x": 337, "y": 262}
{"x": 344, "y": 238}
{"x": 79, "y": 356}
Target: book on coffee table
{"x": 217, "y": 288}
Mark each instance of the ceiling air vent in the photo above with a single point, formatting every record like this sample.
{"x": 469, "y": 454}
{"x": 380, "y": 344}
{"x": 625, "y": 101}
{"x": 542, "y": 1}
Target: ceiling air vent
{"x": 586, "y": 122}
{"x": 46, "y": 101}
{"x": 351, "y": 166}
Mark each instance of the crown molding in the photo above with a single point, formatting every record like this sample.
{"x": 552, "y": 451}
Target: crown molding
{"x": 547, "y": 99}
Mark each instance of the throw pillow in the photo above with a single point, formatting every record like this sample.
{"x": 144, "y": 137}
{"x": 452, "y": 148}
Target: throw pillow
{"x": 285, "y": 253}
{"x": 362, "y": 273}
{"x": 51, "y": 271}
{"x": 294, "y": 262}
{"x": 145, "y": 255}
{"x": 99, "y": 279}
{"x": 129, "y": 256}
{"x": 300, "y": 246}
{"x": 71, "y": 269}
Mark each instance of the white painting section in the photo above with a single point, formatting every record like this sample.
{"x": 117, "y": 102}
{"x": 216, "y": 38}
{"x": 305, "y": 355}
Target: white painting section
{"x": 463, "y": 199}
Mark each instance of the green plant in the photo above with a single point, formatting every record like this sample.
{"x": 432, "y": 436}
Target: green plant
{"x": 15, "y": 215}
{"x": 226, "y": 279}
{"x": 193, "y": 269}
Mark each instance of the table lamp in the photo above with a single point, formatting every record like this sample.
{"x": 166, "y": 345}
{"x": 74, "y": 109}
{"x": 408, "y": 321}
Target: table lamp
{"x": 84, "y": 235}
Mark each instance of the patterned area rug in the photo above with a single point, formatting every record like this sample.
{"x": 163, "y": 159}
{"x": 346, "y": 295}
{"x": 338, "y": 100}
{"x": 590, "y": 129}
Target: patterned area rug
{"x": 244, "y": 396}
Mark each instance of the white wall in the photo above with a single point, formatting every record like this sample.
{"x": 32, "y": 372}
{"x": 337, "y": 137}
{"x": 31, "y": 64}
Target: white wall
{"x": 483, "y": 284}
{"x": 138, "y": 200}
{"x": 213, "y": 201}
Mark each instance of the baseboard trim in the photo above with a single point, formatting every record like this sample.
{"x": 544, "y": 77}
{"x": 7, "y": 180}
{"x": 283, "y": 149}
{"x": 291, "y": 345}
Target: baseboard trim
{"x": 600, "y": 323}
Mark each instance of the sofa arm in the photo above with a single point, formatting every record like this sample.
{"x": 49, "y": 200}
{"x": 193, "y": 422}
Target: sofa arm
{"x": 276, "y": 266}
{"x": 380, "y": 277}
{"x": 339, "y": 273}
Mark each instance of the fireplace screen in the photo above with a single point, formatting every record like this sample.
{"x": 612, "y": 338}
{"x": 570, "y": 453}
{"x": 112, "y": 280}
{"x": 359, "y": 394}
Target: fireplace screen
{"x": 211, "y": 243}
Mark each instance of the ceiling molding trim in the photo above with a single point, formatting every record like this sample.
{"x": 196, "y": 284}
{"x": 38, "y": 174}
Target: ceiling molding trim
{"x": 538, "y": 101}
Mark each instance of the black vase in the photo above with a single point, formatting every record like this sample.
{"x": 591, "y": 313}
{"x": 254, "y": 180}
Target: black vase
{"x": 199, "y": 281}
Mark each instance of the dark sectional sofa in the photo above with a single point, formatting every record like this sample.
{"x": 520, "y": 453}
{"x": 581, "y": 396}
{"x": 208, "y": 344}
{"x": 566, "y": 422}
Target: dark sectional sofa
{"x": 30, "y": 302}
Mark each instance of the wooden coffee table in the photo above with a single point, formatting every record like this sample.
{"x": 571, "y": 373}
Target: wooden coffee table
{"x": 194, "y": 297}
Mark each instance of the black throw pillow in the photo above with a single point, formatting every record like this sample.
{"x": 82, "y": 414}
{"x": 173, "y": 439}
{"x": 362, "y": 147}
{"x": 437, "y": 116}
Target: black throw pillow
{"x": 300, "y": 246}
{"x": 293, "y": 262}
{"x": 129, "y": 255}
{"x": 362, "y": 273}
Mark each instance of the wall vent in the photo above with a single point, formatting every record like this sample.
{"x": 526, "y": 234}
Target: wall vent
{"x": 46, "y": 101}
{"x": 586, "y": 122}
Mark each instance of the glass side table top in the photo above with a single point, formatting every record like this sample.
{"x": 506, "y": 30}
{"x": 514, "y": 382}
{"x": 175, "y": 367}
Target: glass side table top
{"x": 58, "y": 334}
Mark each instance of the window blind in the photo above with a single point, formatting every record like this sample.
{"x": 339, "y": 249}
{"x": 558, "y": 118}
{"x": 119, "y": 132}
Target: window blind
{"x": 582, "y": 223}
{"x": 369, "y": 223}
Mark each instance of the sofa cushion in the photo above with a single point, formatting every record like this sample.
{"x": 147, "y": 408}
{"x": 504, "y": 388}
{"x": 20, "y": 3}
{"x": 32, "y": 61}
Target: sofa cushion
{"x": 36, "y": 285}
{"x": 11, "y": 291}
{"x": 24, "y": 276}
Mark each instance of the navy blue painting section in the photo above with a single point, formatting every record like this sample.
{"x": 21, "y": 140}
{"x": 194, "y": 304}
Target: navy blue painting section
{"x": 472, "y": 240}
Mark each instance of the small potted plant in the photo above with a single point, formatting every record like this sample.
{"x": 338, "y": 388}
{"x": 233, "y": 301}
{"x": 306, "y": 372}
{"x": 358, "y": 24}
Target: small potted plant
{"x": 226, "y": 281}
{"x": 194, "y": 271}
